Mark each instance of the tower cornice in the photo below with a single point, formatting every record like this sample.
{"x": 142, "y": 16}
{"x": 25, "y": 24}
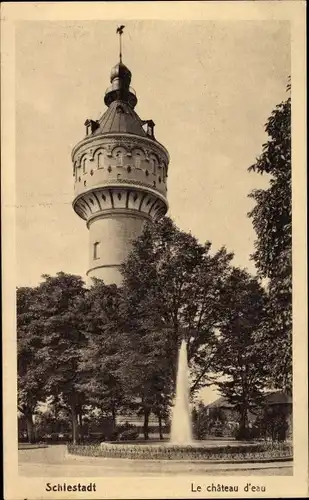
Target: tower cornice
{"x": 112, "y": 200}
{"x": 125, "y": 185}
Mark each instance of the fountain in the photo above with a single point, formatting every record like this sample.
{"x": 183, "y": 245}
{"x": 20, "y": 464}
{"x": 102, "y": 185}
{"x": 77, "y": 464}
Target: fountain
{"x": 181, "y": 446}
{"x": 181, "y": 431}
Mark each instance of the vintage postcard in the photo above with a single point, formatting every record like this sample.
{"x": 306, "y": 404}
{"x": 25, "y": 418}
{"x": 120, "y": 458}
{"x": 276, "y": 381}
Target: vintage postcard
{"x": 154, "y": 250}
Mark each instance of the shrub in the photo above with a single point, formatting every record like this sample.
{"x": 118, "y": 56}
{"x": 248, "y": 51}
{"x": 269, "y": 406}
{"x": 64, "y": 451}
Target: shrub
{"x": 125, "y": 432}
{"x": 93, "y": 437}
{"x": 128, "y": 435}
{"x": 23, "y": 438}
{"x": 272, "y": 424}
{"x": 209, "y": 423}
{"x": 243, "y": 434}
{"x": 114, "y": 435}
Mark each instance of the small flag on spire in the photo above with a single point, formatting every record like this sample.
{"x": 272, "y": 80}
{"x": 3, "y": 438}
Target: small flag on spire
{"x": 120, "y": 29}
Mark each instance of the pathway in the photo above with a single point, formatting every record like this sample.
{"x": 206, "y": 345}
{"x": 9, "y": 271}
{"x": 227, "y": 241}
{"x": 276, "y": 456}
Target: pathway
{"x": 53, "y": 461}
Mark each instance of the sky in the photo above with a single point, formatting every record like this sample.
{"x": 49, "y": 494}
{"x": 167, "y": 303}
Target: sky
{"x": 209, "y": 86}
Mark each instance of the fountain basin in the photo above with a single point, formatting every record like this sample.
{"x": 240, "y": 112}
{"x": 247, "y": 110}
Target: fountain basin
{"x": 196, "y": 451}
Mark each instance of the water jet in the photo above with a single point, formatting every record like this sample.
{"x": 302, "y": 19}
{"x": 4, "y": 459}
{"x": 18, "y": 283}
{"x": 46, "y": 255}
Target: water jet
{"x": 181, "y": 429}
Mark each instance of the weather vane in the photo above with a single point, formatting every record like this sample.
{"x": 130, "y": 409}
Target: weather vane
{"x": 120, "y": 32}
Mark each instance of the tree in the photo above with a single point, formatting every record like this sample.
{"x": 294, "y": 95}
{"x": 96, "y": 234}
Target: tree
{"x": 145, "y": 373}
{"x": 31, "y": 373}
{"x": 161, "y": 406}
{"x": 200, "y": 421}
{"x": 203, "y": 315}
{"x": 272, "y": 221}
{"x": 102, "y": 354}
{"x": 240, "y": 350}
{"x": 272, "y": 423}
{"x": 58, "y": 322}
{"x": 173, "y": 287}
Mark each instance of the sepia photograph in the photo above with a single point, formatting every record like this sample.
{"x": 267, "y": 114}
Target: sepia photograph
{"x": 154, "y": 291}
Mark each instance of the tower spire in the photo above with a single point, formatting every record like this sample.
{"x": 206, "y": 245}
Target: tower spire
{"x": 119, "y": 31}
{"x": 120, "y": 80}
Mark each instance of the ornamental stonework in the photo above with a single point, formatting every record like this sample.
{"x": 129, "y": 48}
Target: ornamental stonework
{"x": 109, "y": 142}
{"x": 100, "y": 165}
{"x": 103, "y": 202}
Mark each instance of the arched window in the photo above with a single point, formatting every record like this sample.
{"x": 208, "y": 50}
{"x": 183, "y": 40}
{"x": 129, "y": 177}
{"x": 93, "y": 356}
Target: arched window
{"x": 119, "y": 154}
{"x": 75, "y": 171}
{"x": 100, "y": 160}
{"x": 84, "y": 165}
{"x": 119, "y": 157}
{"x": 153, "y": 164}
{"x": 163, "y": 172}
{"x": 138, "y": 156}
{"x": 137, "y": 160}
{"x": 96, "y": 246}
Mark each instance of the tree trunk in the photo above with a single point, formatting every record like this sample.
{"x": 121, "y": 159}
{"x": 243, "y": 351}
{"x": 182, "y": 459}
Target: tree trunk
{"x": 160, "y": 426}
{"x": 30, "y": 427}
{"x": 243, "y": 424}
{"x": 114, "y": 416}
{"x": 80, "y": 422}
{"x": 74, "y": 424}
{"x": 146, "y": 424}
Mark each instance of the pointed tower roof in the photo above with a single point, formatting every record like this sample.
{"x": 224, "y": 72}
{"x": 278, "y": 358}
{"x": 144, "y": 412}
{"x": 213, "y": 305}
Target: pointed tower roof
{"x": 120, "y": 117}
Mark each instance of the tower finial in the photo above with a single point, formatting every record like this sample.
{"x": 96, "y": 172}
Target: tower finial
{"x": 120, "y": 32}
{"x": 120, "y": 79}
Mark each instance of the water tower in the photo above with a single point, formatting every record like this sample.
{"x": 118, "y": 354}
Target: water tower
{"x": 120, "y": 174}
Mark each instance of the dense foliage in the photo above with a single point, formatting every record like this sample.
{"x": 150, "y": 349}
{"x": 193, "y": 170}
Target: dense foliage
{"x": 272, "y": 221}
{"x": 173, "y": 288}
{"x": 240, "y": 350}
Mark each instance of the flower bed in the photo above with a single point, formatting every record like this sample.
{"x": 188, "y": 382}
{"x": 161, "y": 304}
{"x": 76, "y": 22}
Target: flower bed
{"x": 253, "y": 453}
